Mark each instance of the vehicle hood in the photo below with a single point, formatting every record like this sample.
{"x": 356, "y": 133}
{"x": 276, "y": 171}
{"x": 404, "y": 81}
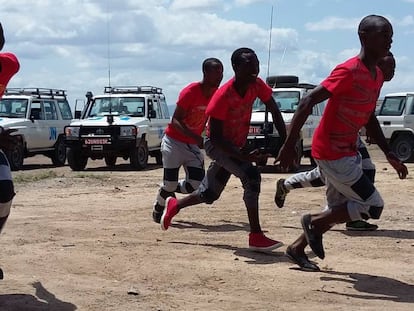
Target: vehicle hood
{"x": 102, "y": 121}
{"x": 259, "y": 116}
{"x": 11, "y": 122}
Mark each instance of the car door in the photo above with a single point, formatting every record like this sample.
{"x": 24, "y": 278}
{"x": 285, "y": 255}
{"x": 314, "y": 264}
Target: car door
{"x": 311, "y": 124}
{"x": 35, "y": 139}
{"x": 157, "y": 122}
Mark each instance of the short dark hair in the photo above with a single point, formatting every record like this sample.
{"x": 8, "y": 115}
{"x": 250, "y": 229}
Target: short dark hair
{"x": 210, "y": 63}
{"x": 237, "y": 56}
{"x": 371, "y": 23}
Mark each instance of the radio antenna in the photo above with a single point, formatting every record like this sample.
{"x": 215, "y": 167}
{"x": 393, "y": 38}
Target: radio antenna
{"x": 270, "y": 42}
{"x": 108, "y": 31}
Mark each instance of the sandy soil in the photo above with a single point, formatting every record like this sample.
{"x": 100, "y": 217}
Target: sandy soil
{"x": 86, "y": 241}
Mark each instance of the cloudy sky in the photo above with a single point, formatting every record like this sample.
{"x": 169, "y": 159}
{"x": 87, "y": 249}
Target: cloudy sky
{"x": 84, "y": 45}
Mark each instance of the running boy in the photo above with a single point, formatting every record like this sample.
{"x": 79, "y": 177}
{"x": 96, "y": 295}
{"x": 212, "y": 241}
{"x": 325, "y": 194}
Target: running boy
{"x": 352, "y": 88}
{"x": 182, "y": 141}
{"x": 229, "y": 113}
{"x": 314, "y": 178}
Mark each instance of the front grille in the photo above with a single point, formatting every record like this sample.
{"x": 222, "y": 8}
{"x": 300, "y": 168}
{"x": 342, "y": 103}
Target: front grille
{"x": 100, "y": 130}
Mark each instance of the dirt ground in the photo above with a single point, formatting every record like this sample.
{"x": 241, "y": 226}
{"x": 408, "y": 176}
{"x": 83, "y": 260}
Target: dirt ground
{"x": 86, "y": 241}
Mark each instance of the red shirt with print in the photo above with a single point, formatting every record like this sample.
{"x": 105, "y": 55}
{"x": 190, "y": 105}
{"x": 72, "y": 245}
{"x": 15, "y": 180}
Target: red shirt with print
{"x": 354, "y": 96}
{"x": 193, "y": 101}
{"x": 9, "y": 65}
{"x": 235, "y": 111}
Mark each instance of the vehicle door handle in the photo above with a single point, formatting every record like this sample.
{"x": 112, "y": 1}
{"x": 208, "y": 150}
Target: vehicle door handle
{"x": 387, "y": 123}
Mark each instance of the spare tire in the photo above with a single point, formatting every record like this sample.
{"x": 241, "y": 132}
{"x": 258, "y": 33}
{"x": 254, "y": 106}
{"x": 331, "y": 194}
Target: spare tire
{"x": 282, "y": 81}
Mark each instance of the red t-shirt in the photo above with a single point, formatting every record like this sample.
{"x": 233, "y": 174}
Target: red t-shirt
{"x": 9, "y": 65}
{"x": 235, "y": 111}
{"x": 354, "y": 96}
{"x": 193, "y": 101}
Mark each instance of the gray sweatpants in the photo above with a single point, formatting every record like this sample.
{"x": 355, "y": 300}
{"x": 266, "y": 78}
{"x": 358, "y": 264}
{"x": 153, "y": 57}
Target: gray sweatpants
{"x": 346, "y": 183}
{"x": 219, "y": 173}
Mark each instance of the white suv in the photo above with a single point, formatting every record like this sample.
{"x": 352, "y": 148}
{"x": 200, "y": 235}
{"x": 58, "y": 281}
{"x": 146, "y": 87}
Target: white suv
{"x": 126, "y": 122}
{"x": 40, "y": 116}
{"x": 396, "y": 117}
{"x": 287, "y": 92}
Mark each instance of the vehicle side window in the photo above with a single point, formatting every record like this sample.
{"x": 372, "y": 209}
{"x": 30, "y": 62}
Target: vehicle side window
{"x": 158, "y": 110}
{"x": 50, "y": 110}
{"x": 164, "y": 108}
{"x": 65, "y": 110}
{"x": 393, "y": 106}
{"x": 36, "y": 111}
{"x": 410, "y": 103}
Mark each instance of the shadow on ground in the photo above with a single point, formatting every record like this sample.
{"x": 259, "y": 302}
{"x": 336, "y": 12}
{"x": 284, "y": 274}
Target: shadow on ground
{"x": 372, "y": 287}
{"x": 43, "y": 300}
{"x": 226, "y": 226}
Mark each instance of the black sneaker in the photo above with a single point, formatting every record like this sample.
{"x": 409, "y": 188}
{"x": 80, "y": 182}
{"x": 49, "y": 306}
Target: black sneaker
{"x": 157, "y": 211}
{"x": 360, "y": 225}
{"x": 1, "y": 274}
{"x": 314, "y": 240}
{"x": 281, "y": 193}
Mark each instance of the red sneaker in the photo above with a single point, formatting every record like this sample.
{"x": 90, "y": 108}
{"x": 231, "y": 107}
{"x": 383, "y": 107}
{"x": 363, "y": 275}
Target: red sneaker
{"x": 170, "y": 210}
{"x": 259, "y": 242}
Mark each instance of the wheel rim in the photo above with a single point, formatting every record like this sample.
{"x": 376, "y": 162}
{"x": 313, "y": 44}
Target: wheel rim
{"x": 403, "y": 150}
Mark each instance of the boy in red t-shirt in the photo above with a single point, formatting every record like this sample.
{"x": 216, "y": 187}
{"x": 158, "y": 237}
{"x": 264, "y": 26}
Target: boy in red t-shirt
{"x": 9, "y": 66}
{"x": 352, "y": 88}
{"x": 314, "y": 178}
{"x": 229, "y": 113}
{"x": 182, "y": 141}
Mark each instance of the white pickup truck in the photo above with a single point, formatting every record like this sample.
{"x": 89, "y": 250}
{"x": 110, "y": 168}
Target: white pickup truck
{"x": 287, "y": 92}
{"x": 396, "y": 118}
{"x": 125, "y": 121}
{"x": 39, "y": 115}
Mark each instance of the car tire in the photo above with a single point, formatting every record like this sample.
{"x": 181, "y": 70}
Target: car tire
{"x": 59, "y": 153}
{"x": 403, "y": 147}
{"x": 76, "y": 160}
{"x": 158, "y": 157}
{"x": 139, "y": 156}
{"x": 15, "y": 157}
{"x": 110, "y": 161}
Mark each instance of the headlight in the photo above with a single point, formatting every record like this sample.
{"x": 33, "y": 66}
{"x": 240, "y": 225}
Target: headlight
{"x": 128, "y": 131}
{"x": 72, "y": 131}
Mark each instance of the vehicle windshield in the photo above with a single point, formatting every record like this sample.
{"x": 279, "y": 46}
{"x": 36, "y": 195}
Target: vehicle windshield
{"x": 13, "y": 107}
{"x": 131, "y": 106}
{"x": 287, "y": 101}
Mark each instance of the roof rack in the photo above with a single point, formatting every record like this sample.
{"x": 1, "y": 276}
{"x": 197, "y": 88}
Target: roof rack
{"x": 133, "y": 89}
{"x": 38, "y": 92}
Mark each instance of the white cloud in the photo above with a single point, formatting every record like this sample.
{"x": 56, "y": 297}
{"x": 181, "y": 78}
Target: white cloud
{"x": 196, "y": 5}
{"x": 407, "y": 20}
{"x": 333, "y": 23}
{"x": 70, "y": 44}
{"x": 248, "y": 2}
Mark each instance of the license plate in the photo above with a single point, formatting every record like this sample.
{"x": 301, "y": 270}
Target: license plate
{"x": 97, "y": 141}
{"x": 255, "y": 130}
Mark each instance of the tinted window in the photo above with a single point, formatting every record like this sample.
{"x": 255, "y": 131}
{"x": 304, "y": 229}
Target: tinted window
{"x": 13, "y": 108}
{"x": 65, "y": 110}
{"x": 50, "y": 112}
{"x": 133, "y": 106}
{"x": 287, "y": 101}
{"x": 393, "y": 106}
